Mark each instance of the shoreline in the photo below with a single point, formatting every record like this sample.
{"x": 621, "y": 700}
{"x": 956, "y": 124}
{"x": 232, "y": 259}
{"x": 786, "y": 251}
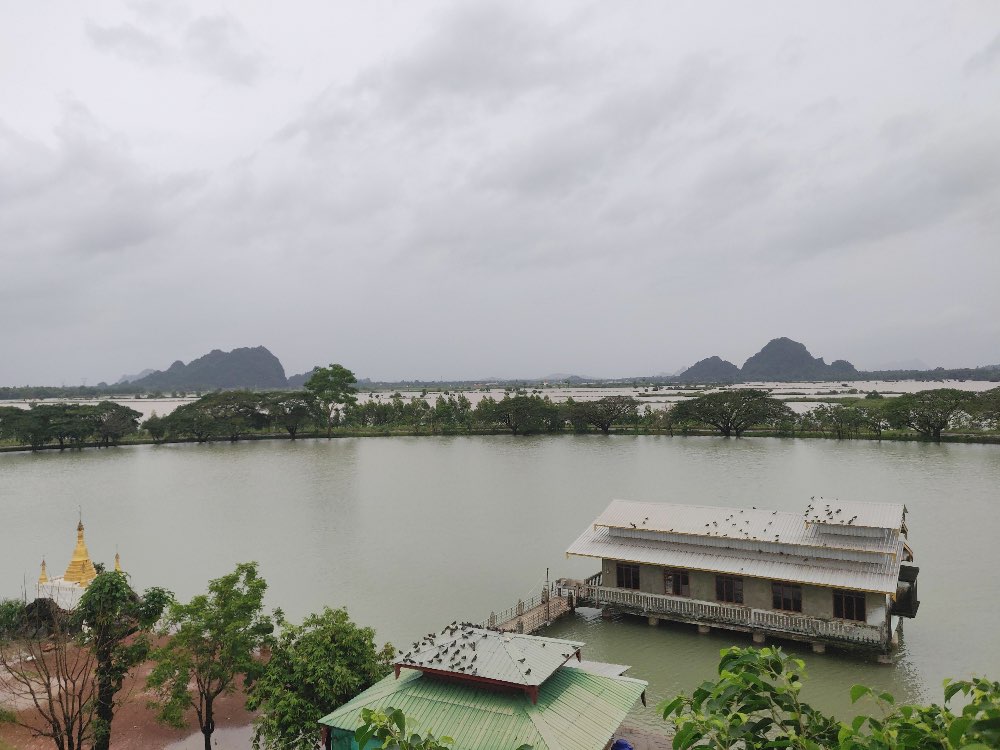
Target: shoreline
{"x": 964, "y": 438}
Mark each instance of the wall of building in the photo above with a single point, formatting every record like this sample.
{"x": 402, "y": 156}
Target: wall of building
{"x": 817, "y": 601}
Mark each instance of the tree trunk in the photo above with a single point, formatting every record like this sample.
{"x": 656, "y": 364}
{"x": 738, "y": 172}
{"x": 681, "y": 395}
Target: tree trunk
{"x": 105, "y": 712}
{"x": 209, "y": 726}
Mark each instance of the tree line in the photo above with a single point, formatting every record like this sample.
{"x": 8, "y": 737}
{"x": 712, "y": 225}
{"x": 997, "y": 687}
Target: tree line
{"x": 329, "y": 404}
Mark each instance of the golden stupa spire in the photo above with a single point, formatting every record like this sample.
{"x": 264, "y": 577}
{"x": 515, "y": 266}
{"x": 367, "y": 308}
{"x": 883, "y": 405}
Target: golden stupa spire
{"x": 43, "y": 577}
{"x": 118, "y": 563}
{"x": 80, "y": 569}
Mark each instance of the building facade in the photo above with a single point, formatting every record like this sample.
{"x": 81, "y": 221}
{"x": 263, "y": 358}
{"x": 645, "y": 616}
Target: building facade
{"x": 837, "y": 574}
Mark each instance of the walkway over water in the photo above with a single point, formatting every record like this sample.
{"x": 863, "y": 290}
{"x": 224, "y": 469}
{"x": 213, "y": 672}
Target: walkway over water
{"x": 534, "y": 614}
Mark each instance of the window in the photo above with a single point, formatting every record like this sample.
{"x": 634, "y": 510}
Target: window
{"x": 786, "y": 596}
{"x": 628, "y": 576}
{"x": 729, "y": 589}
{"x": 676, "y": 582}
{"x": 850, "y": 605}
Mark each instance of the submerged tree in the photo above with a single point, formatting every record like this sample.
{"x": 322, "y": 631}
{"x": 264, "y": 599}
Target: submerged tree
{"x": 213, "y": 641}
{"x": 929, "y": 412}
{"x": 333, "y": 387}
{"x": 732, "y": 411}
{"x": 313, "y": 669}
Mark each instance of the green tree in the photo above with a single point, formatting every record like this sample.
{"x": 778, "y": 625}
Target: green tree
{"x": 115, "y": 421}
{"x": 212, "y": 642}
{"x": 233, "y": 413}
{"x": 987, "y": 408}
{"x": 756, "y": 703}
{"x": 190, "y": 420}
{"x": 732, "y": 411}
{"x": 333, "y": 387}
{"x": 156, "y": 427}
{"x": 929, "y": 412}
{"x": 522, "y": 415}
{"x": 314, "y": 668}
{"x": 606, "y": 412}
{"x": 114, "y": 623}
{"x": 291, "y": 410}
{"x": 389, "y": 728}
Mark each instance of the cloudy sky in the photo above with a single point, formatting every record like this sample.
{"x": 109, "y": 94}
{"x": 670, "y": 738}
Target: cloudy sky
{"x": 429, "y": 190}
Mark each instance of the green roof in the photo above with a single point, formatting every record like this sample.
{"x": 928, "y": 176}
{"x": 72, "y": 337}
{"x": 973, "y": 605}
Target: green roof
{"x": 576, "y": 710}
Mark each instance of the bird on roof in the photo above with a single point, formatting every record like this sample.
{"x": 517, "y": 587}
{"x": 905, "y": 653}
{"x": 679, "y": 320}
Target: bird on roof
{"x": 527, "y": 671}
{"x": 632, "y": 525}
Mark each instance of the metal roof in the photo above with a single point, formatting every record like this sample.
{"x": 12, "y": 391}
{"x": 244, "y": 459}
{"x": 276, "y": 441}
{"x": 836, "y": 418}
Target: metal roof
{"x": 468, "y": 651}
{"x": 576, "y": 710}
{"x": 679, "y": 522}
{"x": 761, "y": 563}
{"x": 850, "y": 513}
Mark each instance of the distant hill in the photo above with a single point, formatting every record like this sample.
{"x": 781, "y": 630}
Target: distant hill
{"x": 787, "y": 360}
{"x": 133, "y": 378}
{"x": 297, "y": 381}
{"x": 711, "y": 370}
{"x": 241, "y": 368}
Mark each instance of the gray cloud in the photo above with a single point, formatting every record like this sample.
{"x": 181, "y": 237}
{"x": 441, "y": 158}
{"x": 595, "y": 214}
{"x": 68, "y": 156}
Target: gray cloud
{"x": 495, "y": 189}
{"x": 985, "y": 58}
{"x": 219, "y": 45}
{"x": 215, "y": 44}
{"x": 128, "y": 41}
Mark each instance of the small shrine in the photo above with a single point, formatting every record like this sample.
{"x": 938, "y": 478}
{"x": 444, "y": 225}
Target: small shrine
{"x": 66, "y": 590}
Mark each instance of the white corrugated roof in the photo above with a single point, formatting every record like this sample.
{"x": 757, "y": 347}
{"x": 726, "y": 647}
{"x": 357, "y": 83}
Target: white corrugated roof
{"x": 749, "y": 524}
{"x": 810, "y": 569}
{"x": 466, "y": 650}
{"x": 851, "y": 513}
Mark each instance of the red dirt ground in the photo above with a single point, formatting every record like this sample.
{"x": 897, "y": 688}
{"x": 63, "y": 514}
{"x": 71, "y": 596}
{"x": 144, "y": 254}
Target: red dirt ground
{"x": 135, "y": 726}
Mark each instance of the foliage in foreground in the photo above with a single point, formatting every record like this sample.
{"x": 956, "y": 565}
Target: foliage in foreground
{"x": 756, "y": 704}
{"x": 213, "y": 641}
{"x": 314, "y": 668}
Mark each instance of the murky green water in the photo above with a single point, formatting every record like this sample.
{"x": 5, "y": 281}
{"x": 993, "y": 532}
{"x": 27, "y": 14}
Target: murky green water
{"x": 411, "y": 533}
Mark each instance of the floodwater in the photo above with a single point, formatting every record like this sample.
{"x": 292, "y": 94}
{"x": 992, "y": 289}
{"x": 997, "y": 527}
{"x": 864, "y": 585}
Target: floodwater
{"x": 655, "y": 398}
{"x": 410, "y": 533}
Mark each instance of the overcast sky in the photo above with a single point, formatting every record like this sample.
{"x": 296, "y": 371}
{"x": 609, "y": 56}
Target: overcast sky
{"x": 425, "y": 190}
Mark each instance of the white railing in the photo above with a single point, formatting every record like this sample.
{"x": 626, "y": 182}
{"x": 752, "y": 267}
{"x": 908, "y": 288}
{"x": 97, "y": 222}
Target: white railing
{"x": 762, "y": 619}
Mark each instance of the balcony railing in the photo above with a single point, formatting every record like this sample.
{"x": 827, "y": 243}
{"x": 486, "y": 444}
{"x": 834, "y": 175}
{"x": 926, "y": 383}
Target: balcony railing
{"x": 692, "y": 610}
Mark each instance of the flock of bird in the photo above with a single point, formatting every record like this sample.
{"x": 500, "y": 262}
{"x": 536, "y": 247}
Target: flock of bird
{"x": 454, "y": 649}
{"x": 830, "y": 515}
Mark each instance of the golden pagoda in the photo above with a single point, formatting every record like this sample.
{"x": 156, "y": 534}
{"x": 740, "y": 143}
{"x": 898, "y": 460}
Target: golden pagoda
{"x": 80, "y": 569}
{"x": 43, "y": 577}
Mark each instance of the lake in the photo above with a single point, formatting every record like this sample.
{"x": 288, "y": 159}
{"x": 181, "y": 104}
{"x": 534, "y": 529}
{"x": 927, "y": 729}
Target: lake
{"x": 410, "y": 533}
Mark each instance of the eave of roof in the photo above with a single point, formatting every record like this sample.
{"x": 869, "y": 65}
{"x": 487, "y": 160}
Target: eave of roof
{"x": 860, "y": 576}
{"x": 576, "y": 709}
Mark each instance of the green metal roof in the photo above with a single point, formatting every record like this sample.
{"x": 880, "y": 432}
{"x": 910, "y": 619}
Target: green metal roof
{"x": 576, "y": 710}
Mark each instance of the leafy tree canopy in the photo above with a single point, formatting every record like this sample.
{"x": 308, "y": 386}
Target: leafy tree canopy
{"x": 213, "y": 641}
{"x": 314, "y": 668}
{"x": 732, "y": 411}
{"x": 756, "y": 703}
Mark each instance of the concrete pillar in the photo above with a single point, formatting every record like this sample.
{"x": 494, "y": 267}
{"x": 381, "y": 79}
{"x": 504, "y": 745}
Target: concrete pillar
{"x": 758, "y": 637}
{"x": 704, "y": 629}
{"x": 654, "y": 621}
{"x": 885, "y": 658}
{"x": 819, "y": 648}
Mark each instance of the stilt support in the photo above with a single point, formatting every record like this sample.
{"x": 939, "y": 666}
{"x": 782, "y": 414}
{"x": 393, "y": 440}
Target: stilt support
{"x": 819, "y": 648}
{"x": 758, "y": 637}
{"x": 704, "y": 629}
{"x": 653, "y": 621}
